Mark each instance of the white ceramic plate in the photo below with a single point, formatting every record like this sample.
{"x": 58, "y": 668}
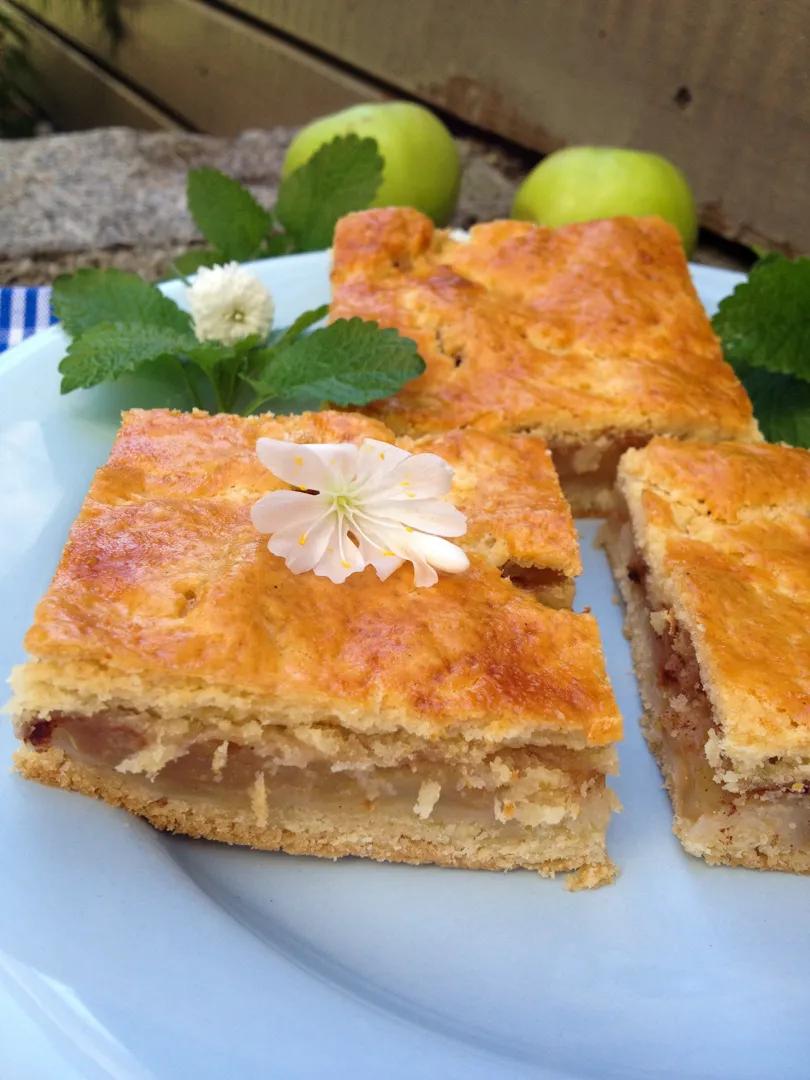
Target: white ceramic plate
{"x": 127, "y": 953}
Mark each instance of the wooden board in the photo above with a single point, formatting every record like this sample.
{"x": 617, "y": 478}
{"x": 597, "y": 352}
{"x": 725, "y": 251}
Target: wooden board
{"x": 722, "y": 88}
{"x": 75, "y": 93}
{"x": 215, "y": 72}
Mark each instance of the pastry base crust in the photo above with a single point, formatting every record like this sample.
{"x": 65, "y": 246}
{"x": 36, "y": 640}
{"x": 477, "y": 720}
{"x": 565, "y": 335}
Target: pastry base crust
{"x": 729, "y": 837}
{"x": 308, "y": 833}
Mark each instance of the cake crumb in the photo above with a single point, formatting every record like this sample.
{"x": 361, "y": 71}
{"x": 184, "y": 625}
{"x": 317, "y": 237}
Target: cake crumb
{"x": 427, "y": 798}
{"x": 219, "y": 760}
{"x": 258, "y": 800}
{"x": 591, "y": 877}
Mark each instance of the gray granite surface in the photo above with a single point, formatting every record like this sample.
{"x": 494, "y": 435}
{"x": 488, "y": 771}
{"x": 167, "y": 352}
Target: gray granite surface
{"x": 116, "y": 197}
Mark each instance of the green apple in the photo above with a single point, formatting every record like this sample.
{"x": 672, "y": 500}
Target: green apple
{"x": 422, "y": 166}
{"x": 581, "y": 183}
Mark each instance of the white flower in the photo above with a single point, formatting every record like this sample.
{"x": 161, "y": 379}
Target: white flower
{"x": 375, "y": 505}
{"x": 228, "y": 303}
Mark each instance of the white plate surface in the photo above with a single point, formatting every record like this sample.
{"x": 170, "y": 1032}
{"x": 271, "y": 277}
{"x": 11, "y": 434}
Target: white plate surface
{"x": 126, "y": 953}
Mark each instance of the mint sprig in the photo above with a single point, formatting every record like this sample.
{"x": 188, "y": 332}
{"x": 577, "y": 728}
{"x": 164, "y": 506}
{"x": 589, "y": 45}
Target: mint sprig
{"x": 122, "y": 325}
{"x": 350, "y": 362}
{"x": 764, "y": 327}
{"x": 89, "y": 297}
{"x": 343, "y": 175}
{"x": 226, "y": 214}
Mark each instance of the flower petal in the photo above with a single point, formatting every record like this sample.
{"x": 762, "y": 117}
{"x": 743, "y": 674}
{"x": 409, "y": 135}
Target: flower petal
{"x": 287, "y": 510}
{"x": 438, "y": 552}
{"x": 375, "y": 460}
{"x": 423, "y": 574}
{"x": 377, "y": 552}
{"x": 341, "y": 557}
{"x": 419, "y": 476}
{"x": 428, "y": 515}
{"x": 320, "y": 467}
{"x": 384, "y": 562}
{"x": 302, "y": 551}
{"x": 384, "y": 541}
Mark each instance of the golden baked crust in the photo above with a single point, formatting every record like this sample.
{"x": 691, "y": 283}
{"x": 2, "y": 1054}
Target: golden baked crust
{"x": 509, "y": 490}
{"x": 164, "y": 579}
{"x": 162, "y": 454}
{"x": 725, "y": 531}
{"x": 729, "y": 483}
{"x": 569, "y": 333}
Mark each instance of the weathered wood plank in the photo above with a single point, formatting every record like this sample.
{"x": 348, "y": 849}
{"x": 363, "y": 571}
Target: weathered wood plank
{"x": 217, "y": 72}
{"x": 721, "y": 88}
{"x": 75, "y": 93}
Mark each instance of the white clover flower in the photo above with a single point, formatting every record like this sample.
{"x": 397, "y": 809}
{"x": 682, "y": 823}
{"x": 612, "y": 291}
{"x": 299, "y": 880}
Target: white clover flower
{"x": 229, "y": 303}
{"x": 375, "y": 505}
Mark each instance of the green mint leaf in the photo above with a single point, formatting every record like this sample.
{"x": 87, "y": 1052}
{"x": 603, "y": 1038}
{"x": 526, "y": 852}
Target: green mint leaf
{"x": 765, "y": 323}
{"x": 89, "y": 297}
{"x": 781, "y": 405}
{"x": 110, "y": 350}
{"x": 191, "y": 261}
{"x": 281, "y": 338}
{"x": 350, "y": 362}
{"x": 226, "y": 214}
{"x": 343, "y": 175}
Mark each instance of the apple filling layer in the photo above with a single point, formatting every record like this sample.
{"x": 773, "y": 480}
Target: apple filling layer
{"x": 718, "y": 815}
{"x": 587, "y": 470}
{"x": 328, "y": 770}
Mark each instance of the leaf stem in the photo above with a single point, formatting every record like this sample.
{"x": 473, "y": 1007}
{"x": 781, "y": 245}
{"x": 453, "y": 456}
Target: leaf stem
{"x": 233, "y": 374}
{"x": 179, "y": 273}
{"x": 218, "y": 394}
{"x": 195, "y": 394}
{"x": 251, "y": 408}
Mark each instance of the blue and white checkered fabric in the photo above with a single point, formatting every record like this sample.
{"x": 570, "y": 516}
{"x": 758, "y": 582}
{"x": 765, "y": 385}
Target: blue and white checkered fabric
{"x": 23, "y": 311}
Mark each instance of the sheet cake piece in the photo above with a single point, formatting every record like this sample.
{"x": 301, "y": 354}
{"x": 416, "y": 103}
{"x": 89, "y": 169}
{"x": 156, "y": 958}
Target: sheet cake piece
{"x": 590, "y": 335}
{"x": 180, "y": 670}
{"x": 711, "y": 548}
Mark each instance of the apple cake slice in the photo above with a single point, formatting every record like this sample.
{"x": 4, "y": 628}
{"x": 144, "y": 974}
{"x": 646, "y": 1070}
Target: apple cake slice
{"x": 711, "y": 548}
{"x": 590, "y": 336}
{"x": 180, "y": 670}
